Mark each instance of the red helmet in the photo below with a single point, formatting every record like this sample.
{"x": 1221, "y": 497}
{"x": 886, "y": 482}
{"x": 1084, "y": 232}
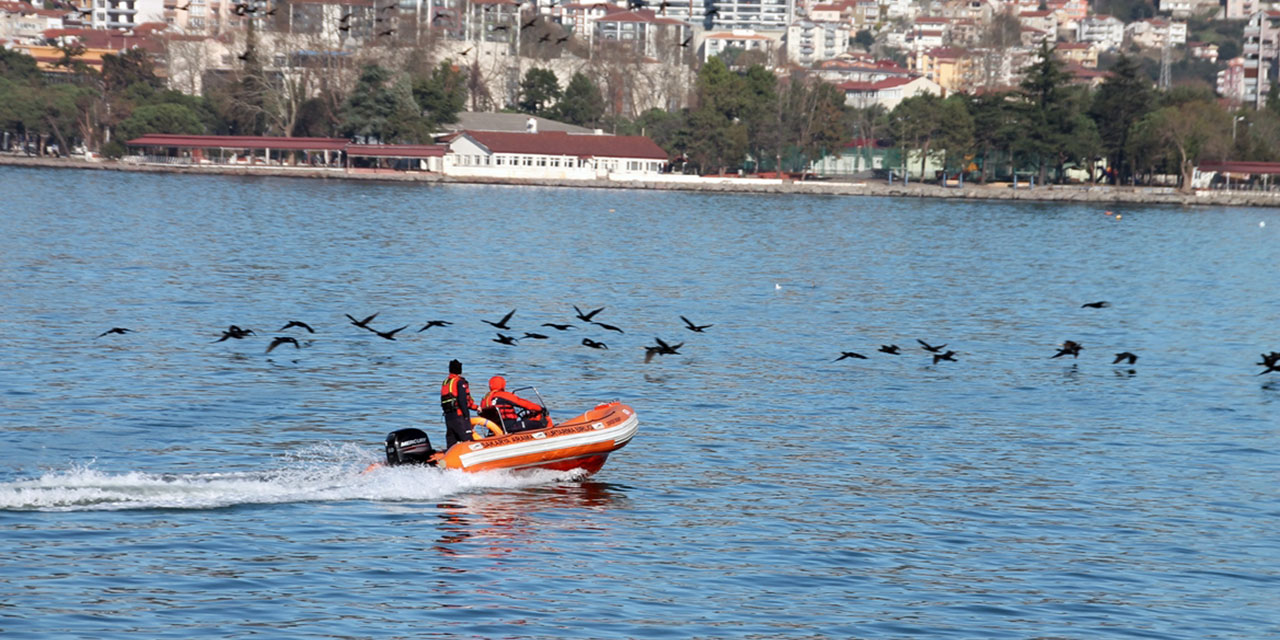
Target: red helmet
{"x": 497, "y": 383}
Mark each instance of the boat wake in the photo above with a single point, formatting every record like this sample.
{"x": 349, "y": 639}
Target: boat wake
{"x": 321, "y": 473}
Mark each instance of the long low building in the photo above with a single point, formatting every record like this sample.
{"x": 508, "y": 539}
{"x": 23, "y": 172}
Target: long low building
{"x": 488, "y": 154}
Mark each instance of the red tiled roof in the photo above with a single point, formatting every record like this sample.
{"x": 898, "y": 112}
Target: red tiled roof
{"x": 887, "y": 83}
{"x": 639, "y": 15}
{"x": 239, "y": 142}
{"x": 1236, "y": 166}
{"x": 561, "y": 143}
{"x": 947, "y": 52}
{"x": 396, "y": 150}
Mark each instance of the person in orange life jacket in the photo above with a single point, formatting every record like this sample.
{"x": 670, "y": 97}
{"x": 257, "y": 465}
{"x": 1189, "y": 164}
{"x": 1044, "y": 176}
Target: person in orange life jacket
{"x": 456, "y": 402}
{"x": 504, "y": 404}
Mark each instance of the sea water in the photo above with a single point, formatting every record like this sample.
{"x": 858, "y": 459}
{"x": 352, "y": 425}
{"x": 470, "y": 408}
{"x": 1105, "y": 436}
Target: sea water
{"x": 164, "y": 484}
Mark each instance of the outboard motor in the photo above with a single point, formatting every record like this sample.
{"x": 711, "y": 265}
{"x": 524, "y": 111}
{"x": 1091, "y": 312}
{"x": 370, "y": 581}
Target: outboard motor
{"x": 408, "y": 446}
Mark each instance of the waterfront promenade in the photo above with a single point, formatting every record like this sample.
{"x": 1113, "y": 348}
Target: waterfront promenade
{"x": 1101, "y": 194}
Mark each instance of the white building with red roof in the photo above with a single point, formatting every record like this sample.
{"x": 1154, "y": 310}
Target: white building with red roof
{"x": 715, "y": 43}
{"x": 643, "y": 30}
{"x": 555, "y": 155}
{"x": 22, "y": 22}
{"x": 1103, "y": 30}
{"x": 886, "y": 93}
{"x": 1154, "y": 33}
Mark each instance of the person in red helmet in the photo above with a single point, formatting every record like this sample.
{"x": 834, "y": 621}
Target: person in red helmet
{"x": 507, "y": 405}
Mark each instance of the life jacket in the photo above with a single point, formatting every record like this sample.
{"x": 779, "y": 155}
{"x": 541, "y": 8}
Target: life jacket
{"x": 506, "y": 408}
{"x": 450, "y": 402}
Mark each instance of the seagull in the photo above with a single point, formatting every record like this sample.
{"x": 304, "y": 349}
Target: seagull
{"x": 557, "y": 327}
{"x": 1123, "y": 356}
{"x": 949, "y": 356}
{"x": 501, "y": 324}
{"x": 505, "y": 339}
{"x": 1068, "y": 348}
{"x": 119, "y": 330}
{"x": 389, "y": 335}
{"x": 608, "y": 327}
{"x": 688, "y": 324}
{"x": 535, "y": 336}
{"x": 586, "y": 317}
{"x": 434, "y": 323}
{"x": 1101, "y": 304}
{"x": 235, "y": 332}
{"x": 298, "y": 323}
{"x": 929, "y": 347}
{"x": 363, "y": 324}
{"x": 593, "y": 344}
{"x": 283, "y": 340}
{"x": 890, "y": 348}
{"x": 849, "y": 354}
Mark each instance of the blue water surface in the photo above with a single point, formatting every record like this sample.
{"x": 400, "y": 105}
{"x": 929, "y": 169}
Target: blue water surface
{"x": 163, "y": 484}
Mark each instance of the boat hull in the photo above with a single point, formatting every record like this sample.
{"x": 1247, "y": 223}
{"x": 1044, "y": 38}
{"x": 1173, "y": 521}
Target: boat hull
{"x": 581, "y": 443}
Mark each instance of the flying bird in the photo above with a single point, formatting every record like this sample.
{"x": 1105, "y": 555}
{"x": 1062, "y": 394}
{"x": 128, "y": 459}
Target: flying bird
{"x": 298, "y": 323}
{"x": 246, "y": 54}
{"x": 434, "y": 323}
{"x": 929, "y": 347}
{"x": 661, "y": 348}
{"x": 564, "y": 39}
{"x": 849, "y": 354}
{"x": 389, "y": 335}
{"x": 184, "y": 7}
{"x": 283, "y": 340}
{"x": 501, "y": 27}
{"x": 1068, "y": 348}
{"x": 529, "y": 24}
{"x": 608, "y": 327}
{"x": 890, "y": 348}
{"x": 236, "y": 333}
{"x": 1101, "y": 304}
{"x": 949, "y": 356}
{"x": 535, "y": 336}
{"x": 387, "y": 32}
{"x": 696, "y": 328}
{"x": 593, "y": 344}
{"x": 119, "y": 330}
{"x": 586, "y": 317}
{"x": 685, "y": 45}
{"x": 501, "y": 324}
{"x": 1123, "y": 356}
{"x": 466, "y": 51}
{"x": 558, "y": 327}
{"x": 505, "y": 339}
{"x": 363, "y": 324}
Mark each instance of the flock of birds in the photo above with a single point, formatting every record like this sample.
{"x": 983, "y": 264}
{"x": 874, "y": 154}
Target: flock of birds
{"x": 940, "y": 353}
{"x": 659, "y": 348}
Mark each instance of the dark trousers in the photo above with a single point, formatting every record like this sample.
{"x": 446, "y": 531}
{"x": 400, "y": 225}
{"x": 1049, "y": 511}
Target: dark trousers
{"x": 456, "y": 428}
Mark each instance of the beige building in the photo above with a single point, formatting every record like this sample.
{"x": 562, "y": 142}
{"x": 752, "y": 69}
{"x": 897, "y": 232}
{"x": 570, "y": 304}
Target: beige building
{"x": 946, "y": 66}
{"x": 1082, "y": 54}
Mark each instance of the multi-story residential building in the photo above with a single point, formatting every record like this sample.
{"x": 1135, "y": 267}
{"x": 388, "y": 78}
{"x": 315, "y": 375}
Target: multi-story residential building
{"x": 21, "y": 22}
{"x": 1103, "y": 30}
{"x": 642, "y": 30}
{"x": 1154, "y": 33}
{"x": 860, "y": 68}
{"x": 929, "y": 32}
{"x": 1231, "y": 81}
{"x": 757, "y": 15}
{"x": 947, "y": 66}
{"x": 1176, "y": 8}
{"x": 886, "y": 93}
{"x": 1203, "y": 51}
{"x": 809, "y": 42}
{"x": 714, "y": 43}
{"x": 126, "y": 14}
{"x": 1069, "y": 10}
{"x": 1046, "y": 21}
{"x": 580, "y": 17}
{"x": 1081, "y": 54}
{"x": 1242, "y": 9}
{"x": 1261, "y": 44}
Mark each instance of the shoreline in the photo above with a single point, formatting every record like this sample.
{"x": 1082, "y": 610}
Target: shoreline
{"x": 1052, "y": 193}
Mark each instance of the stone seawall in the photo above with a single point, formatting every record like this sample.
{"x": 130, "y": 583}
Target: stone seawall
{"x": 1102, "y": 195}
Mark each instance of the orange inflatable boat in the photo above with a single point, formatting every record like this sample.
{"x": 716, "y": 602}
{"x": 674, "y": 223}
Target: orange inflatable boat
{"x": 584, "y": 443}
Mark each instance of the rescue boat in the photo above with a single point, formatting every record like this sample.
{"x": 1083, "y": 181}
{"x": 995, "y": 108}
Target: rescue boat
{"x": 580, "y": 443}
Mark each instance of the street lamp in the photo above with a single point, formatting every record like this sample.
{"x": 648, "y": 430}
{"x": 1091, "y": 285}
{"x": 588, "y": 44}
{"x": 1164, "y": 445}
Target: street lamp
{"x": 1233, "y": 126}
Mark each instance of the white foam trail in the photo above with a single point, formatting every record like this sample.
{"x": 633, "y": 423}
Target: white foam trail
{"x": 322, "y": 473}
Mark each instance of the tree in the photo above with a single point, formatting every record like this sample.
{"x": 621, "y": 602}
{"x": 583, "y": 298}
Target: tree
{"x": 442, "y": 94}
{"x": 913, "y": 124}
{"x": 864, "y": 39}
{"x": 582, "y": 104}
{"x": 719, "y": 137}
{"x": 1188, "y": 132}
{"x": 998, "y": 122}
{"x": 1122, "y": 100}
{"x": 160, "y": 118}
{"x": 539, "y": 89}
{"x": 1052, "y": 112}
{"x": 382, "y": 110}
